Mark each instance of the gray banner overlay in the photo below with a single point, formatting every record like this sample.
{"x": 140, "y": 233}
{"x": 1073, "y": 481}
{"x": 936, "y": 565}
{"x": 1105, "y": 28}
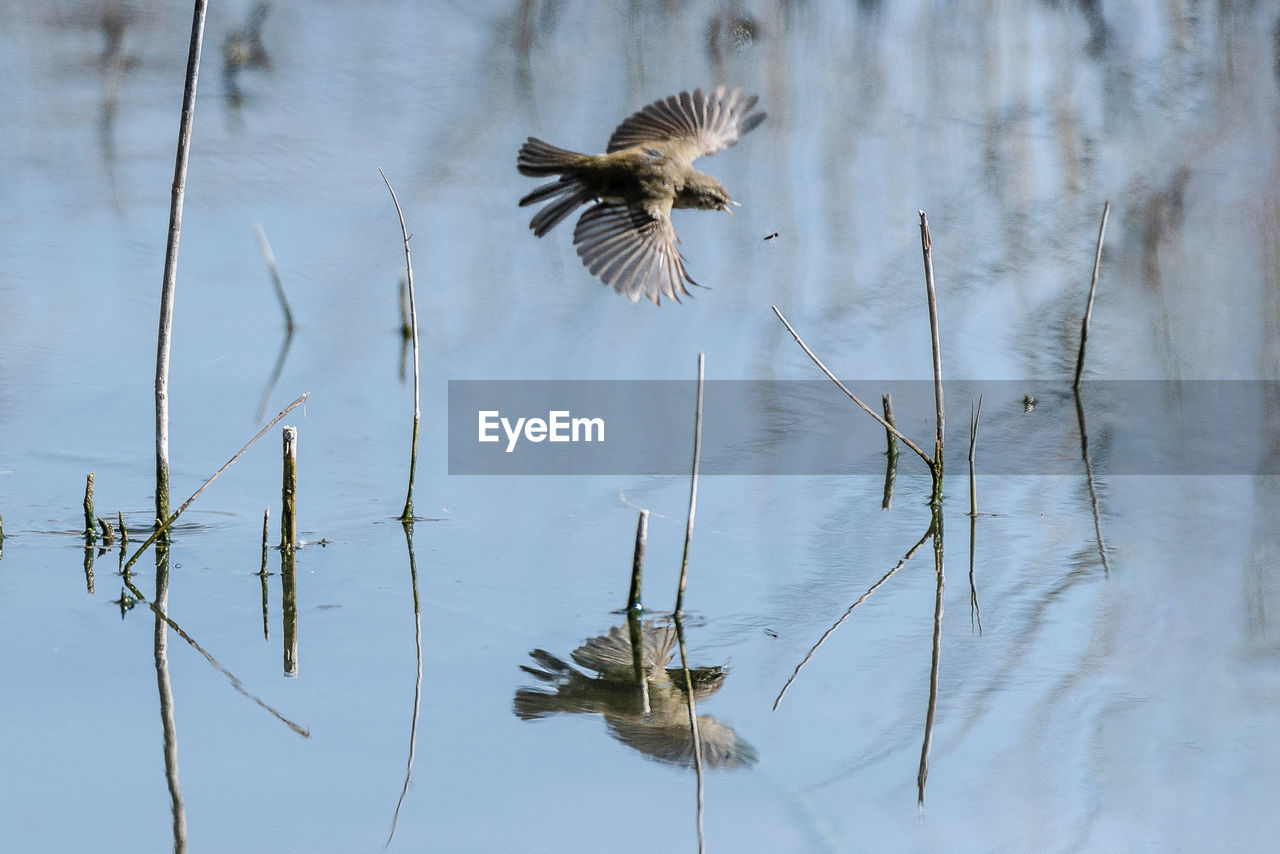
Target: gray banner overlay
{"x": 809, "y": 427}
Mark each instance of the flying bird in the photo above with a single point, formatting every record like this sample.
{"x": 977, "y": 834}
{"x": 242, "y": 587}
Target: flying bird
{"x": 625, "y": 237}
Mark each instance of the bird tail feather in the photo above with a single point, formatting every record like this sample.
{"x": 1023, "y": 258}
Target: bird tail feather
{"x": 547, "y": 218}
{"x": 538, "y": 159}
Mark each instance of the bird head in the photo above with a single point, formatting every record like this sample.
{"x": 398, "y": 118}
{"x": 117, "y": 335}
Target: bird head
{"x": 704, "y": 192}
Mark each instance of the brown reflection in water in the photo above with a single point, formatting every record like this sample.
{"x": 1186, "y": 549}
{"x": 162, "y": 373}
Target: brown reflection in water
{"x": 289, "y": 609}
{"x": 618, "y": 694}
{"x": 243, "y": 49}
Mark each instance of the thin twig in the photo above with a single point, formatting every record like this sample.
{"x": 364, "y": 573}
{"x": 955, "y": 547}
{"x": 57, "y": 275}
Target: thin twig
{"x": 885, "y": 424}
{"x": 926, "y": 244}
{"x": 164, "y": 335}
{"x": 693, "y": 485}
{"x": 407, "y": 513}
{"x": 975, "y": 416}
{"x": 159, "y": 532}
{"x": 1093, "y": 288}
{"x": 849, "y": 612}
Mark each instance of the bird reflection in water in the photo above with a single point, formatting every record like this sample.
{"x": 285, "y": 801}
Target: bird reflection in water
{"x": 619, "y": 694}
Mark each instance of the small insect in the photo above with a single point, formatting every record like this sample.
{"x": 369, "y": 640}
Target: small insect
{"x": 771, "y": 236}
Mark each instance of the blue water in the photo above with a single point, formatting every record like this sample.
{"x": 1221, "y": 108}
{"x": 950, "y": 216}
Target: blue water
{"x": 1098, "y": 707}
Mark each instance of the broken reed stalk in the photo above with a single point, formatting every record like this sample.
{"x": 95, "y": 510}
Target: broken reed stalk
{"x": 124, "y": 531}
{"x": 693, "y": 484}
{"x": 886, "y": 402}
{"x": 637, "y": 563}
{"x": 289, "y": 490}
{"x": 90, "y": 532}
{"x": 266, "y": 525}
{"x": 108, "y": 532}
{"x": 270, "y": 258}
{"x": 165, "y": 332}
{"x": 891, "y": 455}
{"x": 1093, "y": 289}
{"x": 262, "y": 577}
{"x": 803, "y": 346}
{"x": 407, "y": 513}
{"x": 975, "y": 415}
{"x": 168, "y": 523}
{"x": 926, "y": 245}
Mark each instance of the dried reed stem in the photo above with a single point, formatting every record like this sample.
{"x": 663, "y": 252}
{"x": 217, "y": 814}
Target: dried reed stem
{"x": 693, "y": 484}
{"x": 926, "y": 245}
{"x": 637, "y": 563}
{"x": 407, "y": 513}
{"x": 1093, "y": 289}
{"x": 164, "y": 334}
{"x": 289, "y": 490}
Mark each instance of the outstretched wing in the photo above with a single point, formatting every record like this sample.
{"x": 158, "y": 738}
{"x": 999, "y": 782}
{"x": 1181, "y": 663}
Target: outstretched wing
{"x": 632, "y": 248}
{"x": 695, "y": 124}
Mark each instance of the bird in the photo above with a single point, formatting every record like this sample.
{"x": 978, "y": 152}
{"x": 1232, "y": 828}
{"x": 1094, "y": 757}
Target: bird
{"x": 625, "y": 237}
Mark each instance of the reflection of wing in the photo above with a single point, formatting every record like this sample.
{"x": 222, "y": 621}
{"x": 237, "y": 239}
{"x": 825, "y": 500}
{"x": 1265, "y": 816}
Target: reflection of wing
{"x": 669, "y": 740}
{"x": 610, "y": 654}
{"x": 705, "y": 123}
{"x": 634, "y": 249}
{"x": 652, "y": 718}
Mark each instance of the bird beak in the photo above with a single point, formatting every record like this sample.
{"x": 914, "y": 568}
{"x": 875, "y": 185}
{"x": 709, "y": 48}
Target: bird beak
{"x": 726, "y": 208}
